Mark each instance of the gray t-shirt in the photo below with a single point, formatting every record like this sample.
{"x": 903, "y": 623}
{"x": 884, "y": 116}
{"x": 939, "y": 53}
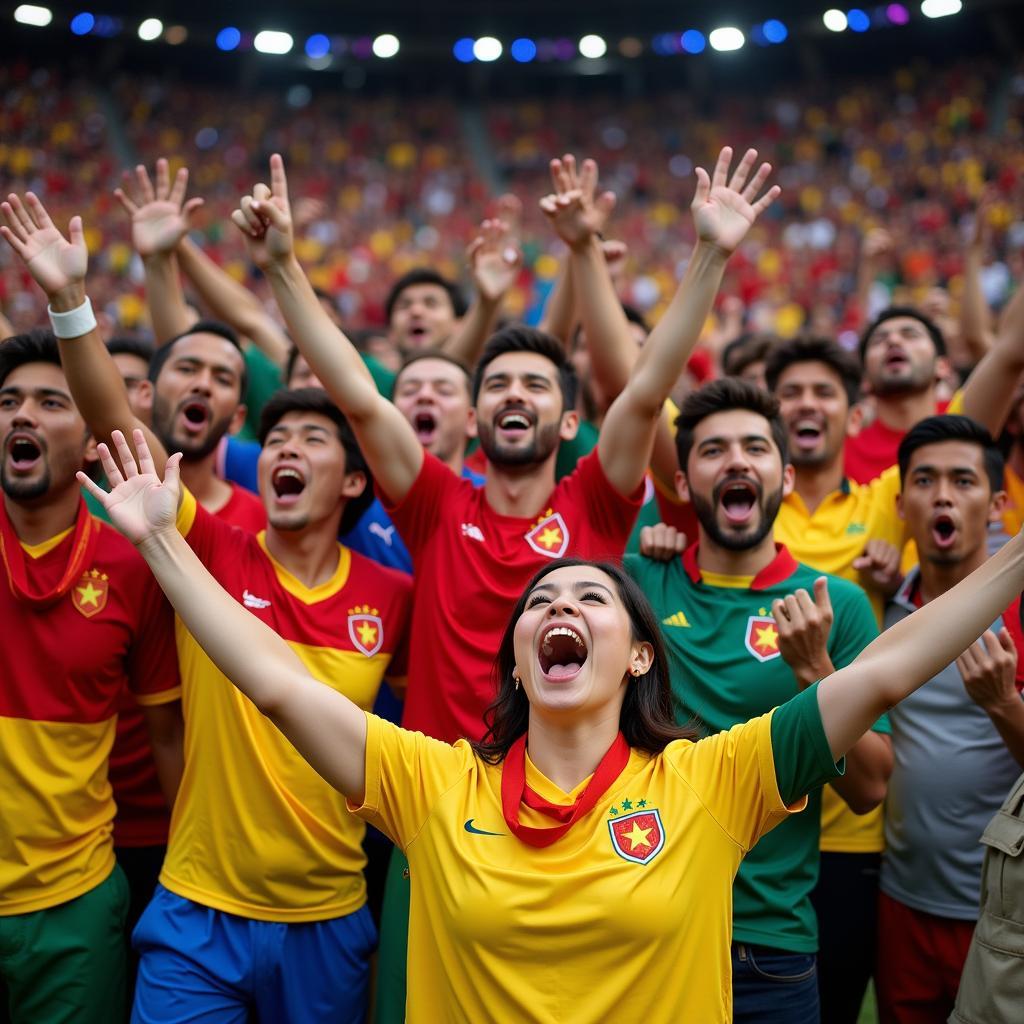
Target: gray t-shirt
{"x": 951, "y": 774}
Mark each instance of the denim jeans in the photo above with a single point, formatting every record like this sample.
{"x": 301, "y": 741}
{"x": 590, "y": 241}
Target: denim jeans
{"x": 774, "y": 986}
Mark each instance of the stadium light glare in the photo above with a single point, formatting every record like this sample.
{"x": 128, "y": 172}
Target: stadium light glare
{"x": 593, "y": 47}
{"x": 385, "y": 46}
{"x": 83, "y": 23}
{"x": 317, "y": 46}
{"x": 726, "y": 39}
{"x": 463, "y": 50}
{"x": 631, "y": 47}
{"x": 897, "y": 14}
{"x": 693, "y": 41}
{"x": 522, "y": 51}
{"x": 487, "y": 49}
{"x": 857, "y": 20}
{"x": 228, "y": 39}
{"x": 30, "y": 14}
{"x": 835, "y": 20}
{"x": 271, "y": 41}
{"x": 176, "y": 35}
{"x": 774, "y": 31}
{"x": 941, "y": 8}
{"x": 151, "y": 29}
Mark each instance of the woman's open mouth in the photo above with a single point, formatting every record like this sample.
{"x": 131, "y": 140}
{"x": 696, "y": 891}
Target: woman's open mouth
{"x": 562, "y": 652}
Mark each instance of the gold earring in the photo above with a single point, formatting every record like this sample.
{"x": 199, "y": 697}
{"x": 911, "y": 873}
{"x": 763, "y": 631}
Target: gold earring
{"x": 635, "y": 670}
{"x": 516, "y": 679}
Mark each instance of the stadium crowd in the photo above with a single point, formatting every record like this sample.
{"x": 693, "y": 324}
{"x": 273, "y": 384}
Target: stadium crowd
{"x": 634, "y": 546}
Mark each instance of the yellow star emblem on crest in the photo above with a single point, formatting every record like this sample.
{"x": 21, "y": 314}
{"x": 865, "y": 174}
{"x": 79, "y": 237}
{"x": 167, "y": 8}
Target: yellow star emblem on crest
{"x": 550, "y": 537}
{"x": 89, "y": 594}
{"x": 637, "y": 836}
{"x": 367, "y": 633}
{"x": 767, "y": 638}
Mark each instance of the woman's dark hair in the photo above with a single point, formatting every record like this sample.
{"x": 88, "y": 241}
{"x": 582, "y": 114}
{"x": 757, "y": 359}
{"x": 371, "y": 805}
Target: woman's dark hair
{"x": 520, "y": 338}
{"x": 317, "y": 400}
{"x": 938, "y": 429}
{"x": 815, "y": 350}
{"x": 647, "y": 719}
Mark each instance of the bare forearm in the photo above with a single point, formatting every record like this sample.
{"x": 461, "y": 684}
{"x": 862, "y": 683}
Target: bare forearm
{"x": 1009, "y": 722}
{"x": 232, "y": 302}
{"x": 167, "y": 309}
{"x": 868, "y": 767}
{"x": 6, "y": 328}
{"x": 559, "y": 319}
{"x": 975, "y": 316}
{"x": 476, "y": 327}
{"x": 909, "y": 653}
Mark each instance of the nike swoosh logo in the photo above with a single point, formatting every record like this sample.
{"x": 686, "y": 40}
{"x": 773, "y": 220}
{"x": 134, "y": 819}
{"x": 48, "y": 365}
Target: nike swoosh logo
{"x": 470, "y": 827}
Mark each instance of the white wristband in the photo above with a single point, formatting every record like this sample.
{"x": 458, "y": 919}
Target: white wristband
{"x": 75, "y": 322}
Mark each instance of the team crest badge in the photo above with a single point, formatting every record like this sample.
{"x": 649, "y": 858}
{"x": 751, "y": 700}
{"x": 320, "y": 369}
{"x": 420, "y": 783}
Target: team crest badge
{"x": 638, "y": 837}
{"x": 550, "y": 536}
{"x": 365, "y": 629}
{"x": 762, "y": 637}
{"x": 89, "y": 594}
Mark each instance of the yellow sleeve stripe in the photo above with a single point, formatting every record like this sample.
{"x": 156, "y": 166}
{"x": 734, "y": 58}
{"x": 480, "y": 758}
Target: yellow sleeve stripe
{"x": 186, "y": 511}
{"x": 152, "y": 700}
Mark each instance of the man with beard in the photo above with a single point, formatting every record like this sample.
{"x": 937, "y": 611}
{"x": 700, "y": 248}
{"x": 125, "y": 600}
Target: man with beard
{"x": 958, "y": 741}
{"x": 744, "y": 634}
{"x": 474, "y": 549}
{"x": 261, "y": 905}
{"x": 903, "y": 354}
{"x": 83, "y": 621}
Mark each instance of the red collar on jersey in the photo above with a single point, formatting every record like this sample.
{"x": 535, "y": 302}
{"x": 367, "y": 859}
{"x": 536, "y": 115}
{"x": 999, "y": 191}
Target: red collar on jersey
{"x": 83, "y": 543}
{"x": 778, "y": 570}
{"x": 514, "y": 791}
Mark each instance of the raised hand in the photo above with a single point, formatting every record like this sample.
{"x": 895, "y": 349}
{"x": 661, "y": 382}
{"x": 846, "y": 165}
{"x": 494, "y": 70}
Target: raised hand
{"x": 661, "y": 542}
{"x": 574, "y": 209}
{"x": 988, "y": 669}
{"x": 57, "y": 264}
{"x": 160, "y": 216}
{"x": 139, "y": 504}
{"x": 723, "y": 208}
{"x": 803, "y": 624}
{"x": 879, "y": 565}
{"x": 494, "y": 259}
{"x": 265, "y": 219}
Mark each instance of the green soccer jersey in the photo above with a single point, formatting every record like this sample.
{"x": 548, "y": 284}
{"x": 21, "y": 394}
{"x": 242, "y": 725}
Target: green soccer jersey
{"x": 726, "y": 668}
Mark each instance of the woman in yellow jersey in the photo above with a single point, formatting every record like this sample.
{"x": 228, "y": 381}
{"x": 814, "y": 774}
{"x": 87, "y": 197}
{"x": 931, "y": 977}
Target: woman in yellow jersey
{"x": 578, "y": 865}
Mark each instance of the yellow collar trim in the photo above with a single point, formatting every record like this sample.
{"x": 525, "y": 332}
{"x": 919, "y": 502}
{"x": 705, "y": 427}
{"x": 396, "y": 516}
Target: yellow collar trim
{"x": 38, "y": 550}
{"x": 309, "y": 595}
{"x": 543, "y": 786}
{"x": 722, "y": 579}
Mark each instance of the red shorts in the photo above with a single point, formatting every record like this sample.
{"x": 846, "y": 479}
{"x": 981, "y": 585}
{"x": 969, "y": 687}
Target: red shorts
{"x": 920, "y": 958}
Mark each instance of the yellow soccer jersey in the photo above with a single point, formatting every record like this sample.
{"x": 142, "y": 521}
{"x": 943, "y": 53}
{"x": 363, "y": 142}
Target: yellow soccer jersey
{"x": 627, "y": 917}
{"x": 255, "y": 831}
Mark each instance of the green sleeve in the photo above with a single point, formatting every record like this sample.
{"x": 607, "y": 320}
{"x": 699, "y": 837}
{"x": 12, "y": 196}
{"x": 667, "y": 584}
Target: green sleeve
{"x": 570, "y": 452}
{"x": 382, "y": 376}
{"x": 853, "y": 628}
{"x": 803, "y": 759}
{"x": 264, "y": 380}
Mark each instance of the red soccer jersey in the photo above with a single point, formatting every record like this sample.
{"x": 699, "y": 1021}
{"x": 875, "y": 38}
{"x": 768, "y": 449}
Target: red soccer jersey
{"x": 470, "y": 567}
{"x": 143, "y": 817}
{"x": 871, "y": 452}
{"x": 66, "y": 662}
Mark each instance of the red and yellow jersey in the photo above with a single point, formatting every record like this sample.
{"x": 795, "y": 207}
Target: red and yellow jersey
{"x": 626, "y": 917}
{"x": 143, "y": 817}
{"x": 255, "y": 831}
{"x": 65, "y": 668}
{"x": 471, "y": 565}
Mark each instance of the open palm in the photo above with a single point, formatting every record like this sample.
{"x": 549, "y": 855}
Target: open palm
{"x": 52, "y": 260}
{"x": 724, "y": 209}
{"x": 495, "y": 259}
{"x": 160, "y": 215}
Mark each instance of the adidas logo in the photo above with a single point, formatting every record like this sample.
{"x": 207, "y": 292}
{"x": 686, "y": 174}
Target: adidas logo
{"x": 679, "y": 619}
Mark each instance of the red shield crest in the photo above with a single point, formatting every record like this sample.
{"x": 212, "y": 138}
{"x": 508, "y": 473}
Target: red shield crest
{"x": 638, "y": 837}
{"x": 366, "y": 631}
{"x": 550, "y": 536}
{"x": 762, "y": 639}
{"x": 89, "y": 594}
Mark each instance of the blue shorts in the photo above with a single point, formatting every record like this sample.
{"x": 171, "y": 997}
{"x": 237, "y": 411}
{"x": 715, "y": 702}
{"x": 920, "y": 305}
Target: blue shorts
{"x": 207, "y": 966}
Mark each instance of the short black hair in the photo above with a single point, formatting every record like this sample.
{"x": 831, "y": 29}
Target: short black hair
{"x": 721, "y": 396}
{"x": 814, "y": 350}
{"x": 634, "y": 316}
{"x": 744, "y": 350}
{"x": 425, "y": 275}
{"x": 38, "y": 345}
{"x": 163, "y": 353}
{"x": 520, "y": 338}
{"x": 317, "y": 400}
{"x": 890, "y": 314}
{"x": 125, "y": 345}
{"x": 432, "y": 353}
{"x": 936, "y": 429}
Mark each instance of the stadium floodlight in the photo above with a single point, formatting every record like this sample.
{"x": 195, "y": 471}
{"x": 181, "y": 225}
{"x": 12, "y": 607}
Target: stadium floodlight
{"x": 271, "y": 41}
{"x": 228, "y": 39}
{"x": 463, "y": 50}
{"x": 726, "y": 39}
{"x": 857, "y": 20}
{"x": 487, "y": 49}
{"x": 593, "y": 47}
{"x": 693, "y": 41}
{"x": 941, "y": 8}
{"x": 385, "y": 46}
{"x": 835, "y": 20}
{"x": 175, "y": 35}
{"x": 151, "y": 29}
{"x": 83, "y": 23}
{"x": 775, "y": 31}
{"x": 522, "y": 51}
{"x": 897, "y": 14}
{"x": 318, "y": 46}
{"x": 30, "y": 14}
